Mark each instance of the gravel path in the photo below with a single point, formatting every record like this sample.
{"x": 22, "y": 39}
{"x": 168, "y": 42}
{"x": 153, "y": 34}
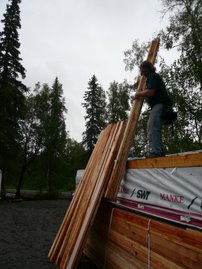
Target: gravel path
{"x": 27, "y": 231}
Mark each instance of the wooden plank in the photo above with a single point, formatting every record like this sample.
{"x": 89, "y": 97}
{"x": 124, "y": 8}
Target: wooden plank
{"x": 180, "y": 236}
{"x": 121, "y": 252}
{"x": 170, "y": 246}
{"x": 95, "y": 254}
{"x": 98, "y": 193}
{"x": 78, "y": 194}
{"x": 175, "y": 250}
{"x": 72, "y": 239}
{"x": 141, "y": 253}
{"x": 100, "y": 224}
{"x": 179, "y": 160}
{"x": 117, "y": 257}
{"x": 97, "y": 153}
{"x": 112, "y": 256}
{"x": 183, "y": 256}
{"x": 81, "y": 207}
{"x": 120, "y": 163}
{"x": 134, "y": 232}
{"x": 95, "y": 247}
{"x": 95, "y": 199}
{"x": 189, "y": 238}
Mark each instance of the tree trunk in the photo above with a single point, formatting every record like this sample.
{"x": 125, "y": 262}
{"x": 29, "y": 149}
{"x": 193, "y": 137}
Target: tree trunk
{"x": 3, "y": 191}
{"x": 22, "y": 173}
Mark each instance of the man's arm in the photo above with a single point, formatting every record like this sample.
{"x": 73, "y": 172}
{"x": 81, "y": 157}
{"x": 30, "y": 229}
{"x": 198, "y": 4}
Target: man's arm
{"x": 144, "y": 93}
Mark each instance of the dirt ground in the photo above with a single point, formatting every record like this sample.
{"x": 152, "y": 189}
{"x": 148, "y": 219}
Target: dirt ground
{"x": 27, "y": 231}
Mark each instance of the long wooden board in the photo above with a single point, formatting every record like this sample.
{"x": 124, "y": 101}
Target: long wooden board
{"x": 68, "y": 245}
{"x": 56, "y": 246}
{"x": 120, "y": 163}
{"x": 96, "y": 197}
{"x": 107, "y": 162}
{"x": 75, "y": 224}
{"x": 85, "y": 212}
{"x": 189, "y": 159}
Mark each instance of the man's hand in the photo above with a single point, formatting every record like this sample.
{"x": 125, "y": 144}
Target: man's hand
{"x": 137, "y": 95}
{"x": 144, "y": 93}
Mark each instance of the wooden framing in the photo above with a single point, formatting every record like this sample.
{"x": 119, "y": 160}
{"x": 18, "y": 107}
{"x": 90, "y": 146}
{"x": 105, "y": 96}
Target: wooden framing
{"x": 188, "y": 159}
{"x": 129, "y": 239}
{"x": 124, "y": 239}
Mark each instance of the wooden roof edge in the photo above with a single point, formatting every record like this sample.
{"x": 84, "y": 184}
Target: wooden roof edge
{"x": 185, "y": 159}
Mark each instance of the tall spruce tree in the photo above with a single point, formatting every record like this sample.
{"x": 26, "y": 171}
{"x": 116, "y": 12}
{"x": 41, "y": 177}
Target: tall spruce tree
{"x": 11, "y": 87}
{"x": 95, "y": 104}
{"x": 118, "y": 105}
{"x": 51, "y": 110}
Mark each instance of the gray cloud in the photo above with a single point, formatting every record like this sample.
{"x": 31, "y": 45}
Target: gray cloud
{"x": 75, "y": 39}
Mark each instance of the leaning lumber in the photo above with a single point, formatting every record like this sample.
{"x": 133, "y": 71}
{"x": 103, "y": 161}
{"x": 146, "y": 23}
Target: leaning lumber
{"x": 107, "y": 162}
{"x": 96, "y": 196}
{"x": 68, "y": 245}
{"x": 75, "y": 225}
{"x": 55, "y": 248}
{"x": 120, "y": 163}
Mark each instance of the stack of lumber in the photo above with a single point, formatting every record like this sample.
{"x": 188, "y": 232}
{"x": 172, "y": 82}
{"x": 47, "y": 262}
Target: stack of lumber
{"x": 107, "y": 161}
{"x": 68, "y": 245}
{"x": 124, "y": 239}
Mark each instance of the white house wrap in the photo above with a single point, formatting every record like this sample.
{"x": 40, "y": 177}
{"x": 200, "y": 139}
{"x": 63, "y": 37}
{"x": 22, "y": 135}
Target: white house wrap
{"x": 171, "y": 193}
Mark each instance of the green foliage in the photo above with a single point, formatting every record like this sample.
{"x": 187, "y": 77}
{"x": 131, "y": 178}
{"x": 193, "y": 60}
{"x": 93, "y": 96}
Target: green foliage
{"x": 76, "y": 158}
{"x": 30, "y": 130}
{"x": 140, "y": 144}
{"x": 47, "y": 158}
{"x": 183, "y": 78}
{"x": 118, "y": 102}
{"x": 30, "y": 139}
{"x": 187, "y": 101}
{"x": 184, "y": 32}
{"x": 94, "y": 104}
{"x": 50, "y": 112}
{"x": 136, "y": 55}
{"x": 12, "y": 90}
{"x": 36, "y": 151}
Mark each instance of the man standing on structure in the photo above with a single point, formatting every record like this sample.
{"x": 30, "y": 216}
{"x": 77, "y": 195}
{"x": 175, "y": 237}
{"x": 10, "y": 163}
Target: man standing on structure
{"x": 157, "y": 98}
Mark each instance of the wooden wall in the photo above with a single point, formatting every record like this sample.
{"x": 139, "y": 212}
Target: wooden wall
{"x": 121, "y": 239}
{"x": 189, "y": 159}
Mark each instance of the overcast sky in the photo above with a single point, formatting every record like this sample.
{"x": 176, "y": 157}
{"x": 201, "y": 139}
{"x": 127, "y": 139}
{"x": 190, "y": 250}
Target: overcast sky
{"x": 74, "y": 39}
